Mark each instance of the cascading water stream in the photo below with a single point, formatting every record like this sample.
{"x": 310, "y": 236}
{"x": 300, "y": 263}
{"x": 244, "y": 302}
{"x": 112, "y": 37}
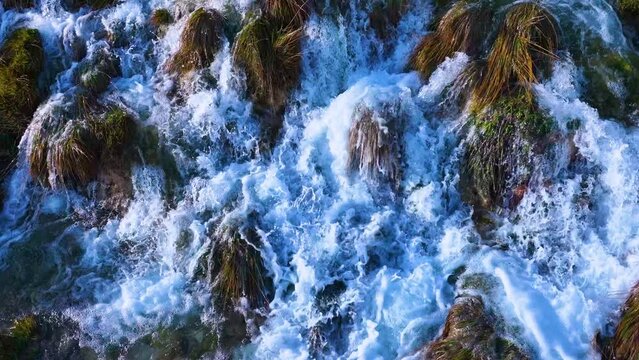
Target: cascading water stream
{"x": 562, "y": 262}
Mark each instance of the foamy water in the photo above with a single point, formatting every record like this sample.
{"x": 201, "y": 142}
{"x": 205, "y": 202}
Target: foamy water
{"x": 572, "y": 241}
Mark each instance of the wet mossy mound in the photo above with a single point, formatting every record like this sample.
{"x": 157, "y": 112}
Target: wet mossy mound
{"x": 21, "y": 62}
{"x": 289, "y": 12}
{"x": 239, "y": 279}
{"x": 625, "y": 343}
{"x": 160, "y": 17}
{"x": 42, "y": 337}
{"x": 18, "y": 4}
{"x": 469, "y": 334}
{"x": 75, "y": 5}
{"x": 95, "y": 74}
{"x": 498, "y": 159}
{"x": 374, "y": 145}
{"x": 199, "y": 42}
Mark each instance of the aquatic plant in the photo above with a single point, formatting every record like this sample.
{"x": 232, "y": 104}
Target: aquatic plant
{"x": 116, "y": 131}
{"x": 625, "y": 343}
{"x": 525, "y": 45}
{"x": 462, "y": 28}
{"x": 374, "y": 148}
{"x": 236, "y": 267}
{"x": 199, "y": 42}
{"x": 469, "y": 334}
{"x": 160, "y": 17}
{"x": 270, "y": 55}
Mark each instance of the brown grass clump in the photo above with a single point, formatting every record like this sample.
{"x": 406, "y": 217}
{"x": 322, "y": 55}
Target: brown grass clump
{"x": 236, "y": 267}
{"x": 270, "y": 55}
{"x": 462, "y": 28}
{"x": 38, "y": 159}
{"x": 625, "y": 343}
{"x": 374, "y": 147}
{"x": 74, "y": 157}
{"x": 199, "y": 42}
{"x": 289, "y": 12}
{"x": 526, "y": 44}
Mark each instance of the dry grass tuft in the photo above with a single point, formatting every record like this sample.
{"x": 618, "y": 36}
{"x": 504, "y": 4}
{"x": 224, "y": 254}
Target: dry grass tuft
{"x": 626, "y": 340}
{"x": 462, "y": 28}
{"x": 374, "y": 148}
{"x": 199, "y": 43}
{"x": 289, "y": 12}
{"x": 74, "y": 157}
{"x": 526, "y": 44}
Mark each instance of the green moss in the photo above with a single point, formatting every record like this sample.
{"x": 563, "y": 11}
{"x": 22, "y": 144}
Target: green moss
{"x": 117, "y": 130}
{"x": 160, "y": 17}
{"x": 96, "y": 73}
{"x": 199, "y": 43}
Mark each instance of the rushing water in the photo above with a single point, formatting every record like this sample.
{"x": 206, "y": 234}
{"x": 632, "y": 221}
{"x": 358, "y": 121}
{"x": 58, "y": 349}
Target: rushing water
{"x": 573, "y": 240}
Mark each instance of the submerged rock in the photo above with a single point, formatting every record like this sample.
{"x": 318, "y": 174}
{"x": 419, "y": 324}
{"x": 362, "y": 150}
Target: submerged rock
{"x": 469, "y": 334}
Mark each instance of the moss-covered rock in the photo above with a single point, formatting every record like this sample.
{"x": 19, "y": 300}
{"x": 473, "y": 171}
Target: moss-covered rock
{"x": 18, "y": 4}
{"x": 469, "y": 334}
{"x": 498, "y": 156}
{"x": 75, "y": 5}
{"x": 199, "y": 43}
{"x": 21, "y": 62}
{"x": 160, "y": 17}
{"x": 96, "y": 73}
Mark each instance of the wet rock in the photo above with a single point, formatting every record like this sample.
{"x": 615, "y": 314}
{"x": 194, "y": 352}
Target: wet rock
{"x": 385, "y": 16}
{"x": 75, "y": 5}
{"x": 18, "y": 4}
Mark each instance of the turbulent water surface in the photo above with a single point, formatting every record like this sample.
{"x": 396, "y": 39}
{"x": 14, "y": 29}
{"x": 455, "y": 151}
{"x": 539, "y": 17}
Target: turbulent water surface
{"x": 571, "y": 253}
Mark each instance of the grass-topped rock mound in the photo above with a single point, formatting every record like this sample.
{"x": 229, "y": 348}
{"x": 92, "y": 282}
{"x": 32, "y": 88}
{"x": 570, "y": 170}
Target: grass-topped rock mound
{"x": 95, "y": 74}
{"x": 625, "y": 342}
{"x": 96, "y": 146}
{"x": 469, "y": 334}
{"x": 374, "y": 145}
{"x": 507, "y": 128}
{"x": 236, "y": 271}
{"x": 200, "y": 41}
{"x": 21, "y": 62}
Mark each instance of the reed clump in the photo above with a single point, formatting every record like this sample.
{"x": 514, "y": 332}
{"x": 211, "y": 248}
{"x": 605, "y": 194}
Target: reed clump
{"x": 199, "y": 43}
{"x": 374, "y": 146}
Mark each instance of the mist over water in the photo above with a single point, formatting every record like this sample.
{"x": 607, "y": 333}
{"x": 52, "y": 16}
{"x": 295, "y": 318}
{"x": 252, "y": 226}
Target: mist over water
{"x": 563, "y": 260}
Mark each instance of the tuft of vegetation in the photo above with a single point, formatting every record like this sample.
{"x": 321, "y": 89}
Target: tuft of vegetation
{"x": 270, "y": 55}
{"x": 500, "y": 148}
{"x": 74, "y": 157}
{"x": 199, "y": 42}
{"x": 625, "y": 344}
{"x": 38, "y": 158}
{"x": 116, "y": 131}
{"x": 469, "y": 334}
{"x": 237, "y": 269}
{"x": 385, "y": 16}
{"x": 525, "y": 45}
{"x": 160, "y": 17}
{"x": 96, "y": 73}
{"x": 374, "y": 147}
{"x": 463, "y": 28}
{"x": 75, "y": 5}
{"x": 18, "y": 4}
{"x": 289, "y": 12}
{"x": 628, "y": 7}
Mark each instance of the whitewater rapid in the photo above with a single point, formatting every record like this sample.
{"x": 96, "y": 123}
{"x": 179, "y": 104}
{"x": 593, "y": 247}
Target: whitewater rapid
{"x": 573, "y": 240}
